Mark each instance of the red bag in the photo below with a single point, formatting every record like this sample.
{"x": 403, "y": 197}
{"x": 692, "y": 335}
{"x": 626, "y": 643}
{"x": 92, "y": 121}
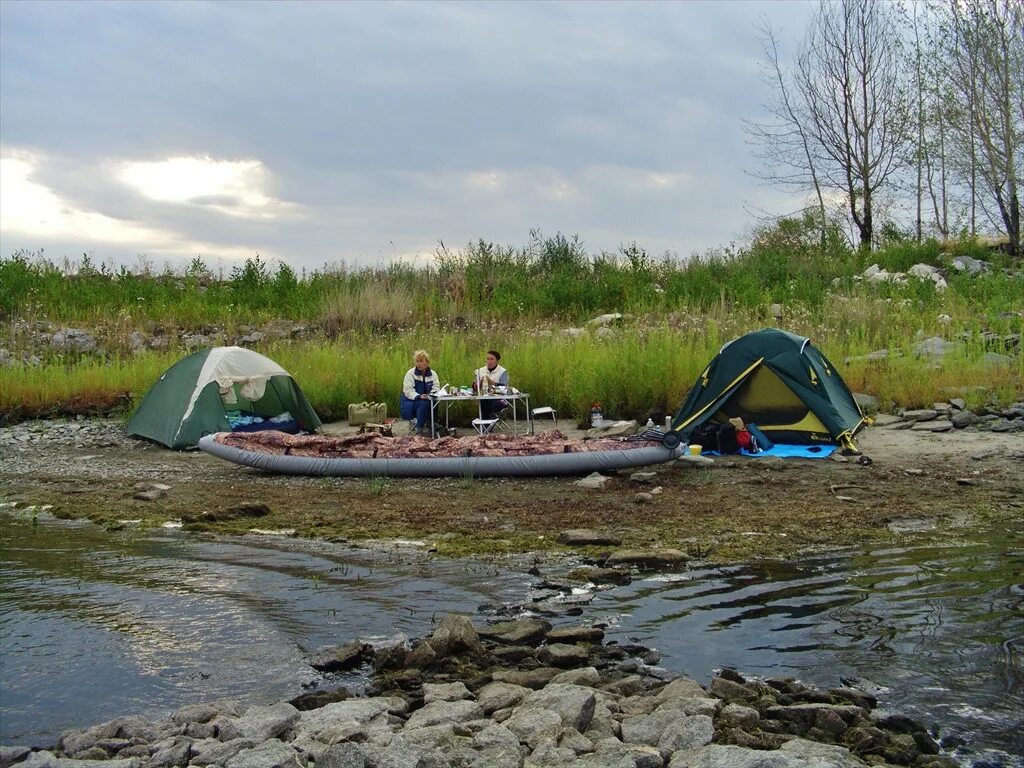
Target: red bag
{"x": 743, "y": 438}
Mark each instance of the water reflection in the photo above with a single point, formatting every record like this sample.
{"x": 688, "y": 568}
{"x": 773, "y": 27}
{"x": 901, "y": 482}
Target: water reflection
{"x": 94, "y": 625}
{"x": 938, "y": 629}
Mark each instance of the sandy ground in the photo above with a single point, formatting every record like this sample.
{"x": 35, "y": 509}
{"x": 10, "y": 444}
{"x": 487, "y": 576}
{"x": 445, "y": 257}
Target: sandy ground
{"x": 918, "y": 484}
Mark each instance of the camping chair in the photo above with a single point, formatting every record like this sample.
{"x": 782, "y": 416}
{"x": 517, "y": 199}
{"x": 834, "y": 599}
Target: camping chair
{"x": 485, "y": 426}
{"x": 545, "y": 410}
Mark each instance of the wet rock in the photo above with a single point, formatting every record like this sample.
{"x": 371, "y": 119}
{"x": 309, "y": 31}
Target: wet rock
{"x": 576, "y": 635}
{"x": 574, "y": 704}
{"x": 816, "y": 753}
{"x": 646, "y": 558}
{"x": 341, "y": 657}
{"x": 864, "y": 739}
{"x": 533, "y": 678}
{"x": 602, "y": 575}
{"x": 588, "y": 676}
{"x": 421, "y": 657}
{"x": 263, "y": 723}
{"x": 270, "y": 754}
{"x": 584, "y": 537}
{"x": 368, "y": 712}
{"x": 316, "y": 699}
{"x": 531, "y": 726}
{"x": 563, "y": 655}
{"x": 441, "y": 712}
{"x": 732, "y": 692}
{"x": 739, "y": 716}
{"x": 686, "y": 733}
{"x": 518, "y": 632}
{"x": 495, "y": 696}
{"x": 455, "y": 635}
{"x": 853, "y": 696}
{"x": 195, "y": 713}
{"x": 13, "y": 754}
{"x": 594, "y": 480}
{"x": 681, "y": 688}
{"x": 445, "y": 692}
{"x": 513, "y": 653}
{"x": 222, "y": 752}
{"x": 174, "y": 755}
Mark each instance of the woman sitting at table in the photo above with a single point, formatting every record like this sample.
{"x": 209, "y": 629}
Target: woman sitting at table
{"x": 419, "y": 384}
{"x": 486, "y": 379}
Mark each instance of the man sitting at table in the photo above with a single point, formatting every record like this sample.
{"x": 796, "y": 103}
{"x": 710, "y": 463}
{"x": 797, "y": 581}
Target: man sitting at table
{"x": 486, "y": 379}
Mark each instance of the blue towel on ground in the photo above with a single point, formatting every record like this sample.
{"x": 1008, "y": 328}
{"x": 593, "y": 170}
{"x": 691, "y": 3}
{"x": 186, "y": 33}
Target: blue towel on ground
{"x": 787, "y": 452}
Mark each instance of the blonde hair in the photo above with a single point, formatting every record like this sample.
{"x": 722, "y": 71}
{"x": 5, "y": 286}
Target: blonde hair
{"x": 420, "y": 353}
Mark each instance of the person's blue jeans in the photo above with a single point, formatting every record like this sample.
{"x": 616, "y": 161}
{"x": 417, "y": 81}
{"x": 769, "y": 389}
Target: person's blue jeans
{"x": 415, "y": 409}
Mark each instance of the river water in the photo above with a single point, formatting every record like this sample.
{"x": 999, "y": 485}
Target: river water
{"x": 96, "y": 624}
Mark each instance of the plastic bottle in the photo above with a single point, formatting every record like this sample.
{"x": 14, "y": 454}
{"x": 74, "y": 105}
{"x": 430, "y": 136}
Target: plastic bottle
{"x": 668, "y": 424}
{"x": 596, "y": 416}
{"x": 649, "y": 424}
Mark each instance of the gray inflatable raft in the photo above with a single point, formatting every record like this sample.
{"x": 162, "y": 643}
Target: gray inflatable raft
{"x": 467, "y": 466}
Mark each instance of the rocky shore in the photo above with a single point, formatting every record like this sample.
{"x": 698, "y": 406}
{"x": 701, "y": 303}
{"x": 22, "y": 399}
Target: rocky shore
{"x": 512, "y": 694}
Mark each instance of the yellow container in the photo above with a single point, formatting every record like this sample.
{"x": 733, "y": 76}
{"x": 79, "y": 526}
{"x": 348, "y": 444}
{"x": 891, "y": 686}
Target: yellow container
{"x": 695, "y": 450}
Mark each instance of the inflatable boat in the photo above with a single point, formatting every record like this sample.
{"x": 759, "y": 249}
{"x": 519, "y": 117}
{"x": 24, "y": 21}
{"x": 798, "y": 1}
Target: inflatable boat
{"x": 550, "y": 453}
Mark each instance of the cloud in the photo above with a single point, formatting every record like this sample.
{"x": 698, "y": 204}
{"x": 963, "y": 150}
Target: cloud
{"x": 31, "y": 210}
{"x": 358, "y": 131}
{"x": 231, "y": 187}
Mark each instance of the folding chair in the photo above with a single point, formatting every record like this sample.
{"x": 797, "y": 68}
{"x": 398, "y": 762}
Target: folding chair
{"x": 484, "y": 426}
{"x": 545, "y": 410}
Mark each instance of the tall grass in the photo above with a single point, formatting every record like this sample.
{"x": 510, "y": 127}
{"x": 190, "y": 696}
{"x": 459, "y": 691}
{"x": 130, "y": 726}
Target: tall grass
{"x": 366, "y": 322}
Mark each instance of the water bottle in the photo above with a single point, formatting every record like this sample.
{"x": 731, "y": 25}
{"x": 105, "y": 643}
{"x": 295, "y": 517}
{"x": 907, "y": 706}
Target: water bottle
{"x": 596, "y": 417}
{"x": 668, "y": 424}
{"x": 649, "y": 424}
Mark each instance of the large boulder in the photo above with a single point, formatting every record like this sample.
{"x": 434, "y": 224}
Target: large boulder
{"x": 263, "y": 723}
{"x": 455, "y": 635}
{"x": 573, "y": 703}
{"x": 441, "y": 712}
{"x": 495, "y": 696}
{"x": 518, "y": 632}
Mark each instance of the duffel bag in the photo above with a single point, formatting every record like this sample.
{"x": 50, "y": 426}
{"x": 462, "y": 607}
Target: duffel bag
{"x": 367, "y": 413}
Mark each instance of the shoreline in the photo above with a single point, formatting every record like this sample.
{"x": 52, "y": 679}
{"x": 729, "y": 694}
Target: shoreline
{"x": 919, "y": 483}
{"x": 519, "y": 694}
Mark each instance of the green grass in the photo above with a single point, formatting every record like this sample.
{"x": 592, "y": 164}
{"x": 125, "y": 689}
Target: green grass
{"x": 365, "y": 323}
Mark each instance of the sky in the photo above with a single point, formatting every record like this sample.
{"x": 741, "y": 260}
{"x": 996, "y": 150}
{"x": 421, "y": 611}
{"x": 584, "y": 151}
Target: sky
{"x": 320, "y": 132}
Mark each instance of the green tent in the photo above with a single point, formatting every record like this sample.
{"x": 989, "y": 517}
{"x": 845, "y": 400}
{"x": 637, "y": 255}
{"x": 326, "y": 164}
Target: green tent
{"x": 778, "y": 381}
{"x": 193, "y": 396}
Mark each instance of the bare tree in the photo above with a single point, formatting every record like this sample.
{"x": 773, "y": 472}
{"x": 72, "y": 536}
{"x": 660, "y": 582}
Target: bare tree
{"x": 850, "y": 77}
{"x": 985, "y": 67}
{"x": 840, "y": 121}
{"x": 783, "y": 143}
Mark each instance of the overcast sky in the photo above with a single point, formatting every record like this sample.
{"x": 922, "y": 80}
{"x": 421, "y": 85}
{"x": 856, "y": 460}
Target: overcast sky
{"x": 316, "y": 132}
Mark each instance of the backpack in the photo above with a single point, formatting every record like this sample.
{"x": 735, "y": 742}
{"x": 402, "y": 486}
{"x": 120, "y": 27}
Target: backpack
{"x": 716, "y": 437}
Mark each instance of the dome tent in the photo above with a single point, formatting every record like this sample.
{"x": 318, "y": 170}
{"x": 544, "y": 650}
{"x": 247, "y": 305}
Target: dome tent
{"x": 778, "y": 381}
{"x": 192, "y": 397}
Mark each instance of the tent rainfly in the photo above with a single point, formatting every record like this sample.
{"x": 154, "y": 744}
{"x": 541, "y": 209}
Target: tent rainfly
{"x": 778, "y": 381}
{"x": 192, "y": 397}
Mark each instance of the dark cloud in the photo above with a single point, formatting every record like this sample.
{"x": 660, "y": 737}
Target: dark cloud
{"x": 374, "y": 121}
